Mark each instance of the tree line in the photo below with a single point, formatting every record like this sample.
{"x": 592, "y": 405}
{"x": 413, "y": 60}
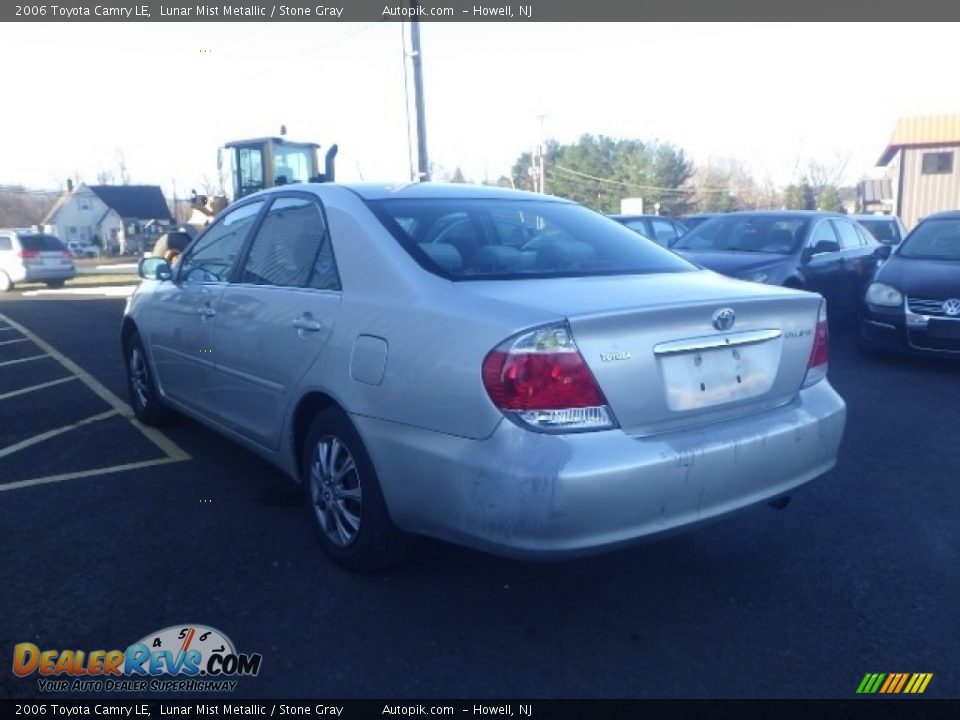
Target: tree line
{"x": 599, "y": 171}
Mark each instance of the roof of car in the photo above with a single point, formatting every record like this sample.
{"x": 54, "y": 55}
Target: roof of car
{"x": 417, "y": 190}
{"x": 783, "y": 213}
{"x": 437, "y": 190}
{"x": 946, "y": 215}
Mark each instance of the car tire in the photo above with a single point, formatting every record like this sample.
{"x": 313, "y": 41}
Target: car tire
{"x": 142, "y": 386}
{"x": 344, "y": 498}
{"x": 53, "y": 284}
{"x": 6, "y": 284}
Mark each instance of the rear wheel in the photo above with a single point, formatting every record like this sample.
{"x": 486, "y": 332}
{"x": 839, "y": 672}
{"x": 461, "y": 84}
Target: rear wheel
{"x": 141, "y": 386}
{"x": 6, "y": 284}
{"x": 345, "y": 500}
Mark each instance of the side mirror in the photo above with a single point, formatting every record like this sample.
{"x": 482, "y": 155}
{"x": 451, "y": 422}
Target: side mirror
{"x": 882, "y": 252}
{"x": 154, "y": 268}
{"x": 824, "y": 246}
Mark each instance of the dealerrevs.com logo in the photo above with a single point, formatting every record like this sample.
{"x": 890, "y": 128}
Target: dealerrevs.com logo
{"x": 180, "y": 658}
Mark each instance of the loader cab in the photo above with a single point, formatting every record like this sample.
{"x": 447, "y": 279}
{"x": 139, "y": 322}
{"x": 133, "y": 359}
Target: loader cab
{"x": 266, "y": 162}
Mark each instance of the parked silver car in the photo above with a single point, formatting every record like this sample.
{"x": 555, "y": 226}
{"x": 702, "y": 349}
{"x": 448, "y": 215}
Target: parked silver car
{"x": 505, "y": 370}
{"x": 28, "y": 256}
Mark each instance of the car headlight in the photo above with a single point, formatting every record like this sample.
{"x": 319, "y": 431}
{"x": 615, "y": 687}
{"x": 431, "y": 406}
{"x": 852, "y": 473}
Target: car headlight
{"x": 757, "y": 276}
{"x": 883, "y": 294}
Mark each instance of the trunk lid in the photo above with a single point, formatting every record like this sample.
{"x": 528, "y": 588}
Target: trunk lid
{"x": 652, "y": 345}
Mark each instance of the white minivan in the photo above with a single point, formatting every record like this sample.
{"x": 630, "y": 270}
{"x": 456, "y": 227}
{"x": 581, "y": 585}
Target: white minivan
{"x": 28, "y": 256}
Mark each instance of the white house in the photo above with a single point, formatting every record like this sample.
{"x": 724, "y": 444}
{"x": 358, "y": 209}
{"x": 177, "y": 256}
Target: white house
{"x": 109, "y": 215}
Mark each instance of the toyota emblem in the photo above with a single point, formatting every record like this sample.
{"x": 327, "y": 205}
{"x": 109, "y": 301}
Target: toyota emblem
{"x": 951, "y": 307}
{"x": 723, "y": 319}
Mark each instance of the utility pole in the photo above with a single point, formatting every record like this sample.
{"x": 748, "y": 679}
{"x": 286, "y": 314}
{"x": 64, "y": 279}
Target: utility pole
{"x": 423, "y": 164}
{"x": 542, "y": 152}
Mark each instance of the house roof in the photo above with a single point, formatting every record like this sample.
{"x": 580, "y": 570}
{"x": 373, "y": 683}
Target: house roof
{"x": 134, "y": 201}
{"x": 922, "y": 131}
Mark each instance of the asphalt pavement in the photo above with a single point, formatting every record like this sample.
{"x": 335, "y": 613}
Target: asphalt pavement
{"x": 108, "y": 533}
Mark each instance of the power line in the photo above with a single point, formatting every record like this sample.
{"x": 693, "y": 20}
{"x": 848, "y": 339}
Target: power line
{"x": 637, "y": 187}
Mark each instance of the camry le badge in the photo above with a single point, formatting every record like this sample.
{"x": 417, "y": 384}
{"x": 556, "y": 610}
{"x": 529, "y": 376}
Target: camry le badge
{"x": 724, "y": 318}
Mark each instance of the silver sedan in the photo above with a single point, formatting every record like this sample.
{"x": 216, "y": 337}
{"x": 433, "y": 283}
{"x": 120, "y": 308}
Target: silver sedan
{"x": 505, "y": 370}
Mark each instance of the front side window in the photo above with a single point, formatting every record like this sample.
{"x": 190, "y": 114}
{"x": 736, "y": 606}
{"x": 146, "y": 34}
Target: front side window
{"x": 288, "y": 248}
{"x": 479, "y": 239}
{"x": 213, "y": 255}
{"x": 746, "y": 233}
{"x": 824, "y": 232}
{"x": 849, "y": 239}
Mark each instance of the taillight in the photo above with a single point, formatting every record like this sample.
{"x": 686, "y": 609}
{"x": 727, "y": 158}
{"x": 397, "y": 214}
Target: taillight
{"x": 68, "y": 253}
{"x": 540, "y": 379}
{"x": 28, "y": 254}
{"x": 820, "y": 354}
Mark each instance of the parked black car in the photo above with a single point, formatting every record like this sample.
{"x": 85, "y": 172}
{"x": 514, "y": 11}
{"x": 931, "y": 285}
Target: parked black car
{"x": 660, "y": 229}
{"x": 823, "y": 252}
{"x": 913, "y": 303}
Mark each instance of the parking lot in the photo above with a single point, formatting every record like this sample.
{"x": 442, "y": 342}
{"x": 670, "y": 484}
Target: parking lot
{"x": 112, "y": 530}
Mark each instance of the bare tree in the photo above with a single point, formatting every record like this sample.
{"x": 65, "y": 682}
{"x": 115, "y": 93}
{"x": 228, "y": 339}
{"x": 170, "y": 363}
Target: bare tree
{"x": 22, "y": 207}
{"x": 122, "y": 173}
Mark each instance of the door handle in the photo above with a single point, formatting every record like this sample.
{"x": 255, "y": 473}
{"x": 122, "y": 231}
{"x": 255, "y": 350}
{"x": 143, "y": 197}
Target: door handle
{"x": 207, "y": 311}
{"x": 305, "y": 323}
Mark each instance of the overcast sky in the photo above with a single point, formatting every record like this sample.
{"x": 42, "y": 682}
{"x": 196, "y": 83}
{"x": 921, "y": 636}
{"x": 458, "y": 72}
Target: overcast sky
{"x": 168, "y": 94}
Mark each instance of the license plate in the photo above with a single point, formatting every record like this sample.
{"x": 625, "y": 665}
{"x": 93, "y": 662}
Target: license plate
{"x": 702, "y": 378}
{"x": 946, "y": 329}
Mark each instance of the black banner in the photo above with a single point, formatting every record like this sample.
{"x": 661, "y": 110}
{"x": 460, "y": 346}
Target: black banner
{"x": 869, "y": 709}
{"x": 474, "y": 11}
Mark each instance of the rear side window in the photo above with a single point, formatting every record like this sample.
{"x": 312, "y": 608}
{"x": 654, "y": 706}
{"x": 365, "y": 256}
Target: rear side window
{"x": 287, "y": 250}
{"x": 479, "y": 239}
{"x": 5, "y": 243}
{"x": 41, "y": 243}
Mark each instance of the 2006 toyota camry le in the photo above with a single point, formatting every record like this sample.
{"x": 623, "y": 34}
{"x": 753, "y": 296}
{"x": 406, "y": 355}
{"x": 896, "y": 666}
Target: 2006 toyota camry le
{"x": 505, "y": 370}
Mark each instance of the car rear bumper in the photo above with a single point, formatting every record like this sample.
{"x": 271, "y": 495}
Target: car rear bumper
{"x": 43, "y": 273}
{"x": 526, "y": 494}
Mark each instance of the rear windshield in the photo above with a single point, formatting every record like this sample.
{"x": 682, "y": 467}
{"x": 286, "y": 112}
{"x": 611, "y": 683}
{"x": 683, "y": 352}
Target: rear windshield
{"x": 933, "y": 240}
{"x": 41, "y": 243}
{"x": 746, "y": 233}
{"x": 886, "y": 231}
{"x": 473, "y": 239}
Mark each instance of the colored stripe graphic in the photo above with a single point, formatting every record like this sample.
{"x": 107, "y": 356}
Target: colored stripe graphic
{"x": 894, "y": 683}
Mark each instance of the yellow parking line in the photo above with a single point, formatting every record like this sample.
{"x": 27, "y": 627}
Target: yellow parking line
{"x": 23, "y": 360}
{"x": 155, "y": 436}
{"x": 11, "y": 342}
{"x": 16, "y": 447}
{"x": 41, "y": 386}
{"x": 86, "y": 473}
